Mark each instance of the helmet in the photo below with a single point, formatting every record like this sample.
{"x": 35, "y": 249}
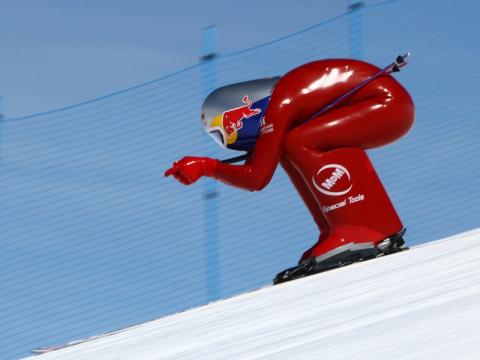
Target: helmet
{"x": 232, "y": 114}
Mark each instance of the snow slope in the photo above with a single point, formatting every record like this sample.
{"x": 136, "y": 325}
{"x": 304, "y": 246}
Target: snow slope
{"x": 420, "y": 304}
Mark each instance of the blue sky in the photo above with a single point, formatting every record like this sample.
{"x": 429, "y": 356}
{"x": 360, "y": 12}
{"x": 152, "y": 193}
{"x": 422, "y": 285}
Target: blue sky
{"x": 56, "y": 53}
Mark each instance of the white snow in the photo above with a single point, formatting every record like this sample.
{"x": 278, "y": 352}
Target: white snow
{"x": 420, "y": 304}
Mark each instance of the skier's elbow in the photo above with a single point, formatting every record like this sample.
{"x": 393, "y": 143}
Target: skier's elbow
{"x": 256, "y": 187}
{"x": 259, "y": 184}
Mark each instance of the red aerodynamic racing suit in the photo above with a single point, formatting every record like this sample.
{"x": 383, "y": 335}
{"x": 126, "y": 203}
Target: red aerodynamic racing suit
{"x": 324, "y": 155}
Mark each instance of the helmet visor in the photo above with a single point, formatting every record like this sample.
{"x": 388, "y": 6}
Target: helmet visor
{"x": 217, "y": 135}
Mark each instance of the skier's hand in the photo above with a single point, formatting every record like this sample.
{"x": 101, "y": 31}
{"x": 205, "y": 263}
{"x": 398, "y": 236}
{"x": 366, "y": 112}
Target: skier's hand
{"x": 190, "y": 169}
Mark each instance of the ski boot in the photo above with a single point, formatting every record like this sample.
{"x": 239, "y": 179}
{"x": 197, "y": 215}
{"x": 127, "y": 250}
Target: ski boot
{"x": 342, "y": 255}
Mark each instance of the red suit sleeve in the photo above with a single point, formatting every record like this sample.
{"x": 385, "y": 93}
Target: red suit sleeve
{"x": 257, "y": 172}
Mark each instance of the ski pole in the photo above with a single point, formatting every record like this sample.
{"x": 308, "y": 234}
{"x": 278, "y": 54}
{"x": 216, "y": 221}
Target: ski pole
{"x": 395, "y": 66}
{"x": 236, "y": 159}
{"x": 399, "y": 62}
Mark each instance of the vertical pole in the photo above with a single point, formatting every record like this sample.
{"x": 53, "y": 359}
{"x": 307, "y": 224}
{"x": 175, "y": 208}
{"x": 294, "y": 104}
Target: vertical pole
{"x": 1, "y": 123}
{"x": 212, "y": 261}
{"x": 355, "y": 28}
{"x": 1, "y": 136}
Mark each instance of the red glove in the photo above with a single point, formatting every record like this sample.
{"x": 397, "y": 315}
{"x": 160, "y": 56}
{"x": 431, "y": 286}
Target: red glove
{"x": 190, "y": 169}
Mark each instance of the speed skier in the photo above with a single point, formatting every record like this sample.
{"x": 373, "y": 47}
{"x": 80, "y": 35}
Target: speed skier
{"x": 281, "y": 120}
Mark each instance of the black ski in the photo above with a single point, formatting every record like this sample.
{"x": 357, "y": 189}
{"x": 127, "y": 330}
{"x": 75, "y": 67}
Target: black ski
{"x": 389, "y": 246}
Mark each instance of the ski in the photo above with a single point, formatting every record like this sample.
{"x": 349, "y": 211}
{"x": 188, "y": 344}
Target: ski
{"x": 389, "y": 246}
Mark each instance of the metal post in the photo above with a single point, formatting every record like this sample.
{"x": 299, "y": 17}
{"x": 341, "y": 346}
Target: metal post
{"x": 355, "y": 27}
{"x": 1, "y": 115}
{"x": 1, "y": 134}
{"x": 212, "y": 260}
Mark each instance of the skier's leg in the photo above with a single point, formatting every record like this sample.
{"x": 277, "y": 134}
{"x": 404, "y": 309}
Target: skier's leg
{"x": 309, "y": 200}
{"x": 363, "y": 216}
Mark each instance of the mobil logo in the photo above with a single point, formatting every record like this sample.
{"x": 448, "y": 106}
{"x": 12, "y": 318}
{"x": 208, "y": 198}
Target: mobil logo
{"x": 232, "y": 119}
{"x": 333, "y": 180}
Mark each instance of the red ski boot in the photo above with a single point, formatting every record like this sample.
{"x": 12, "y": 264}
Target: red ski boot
{"x": 335, "y": 252}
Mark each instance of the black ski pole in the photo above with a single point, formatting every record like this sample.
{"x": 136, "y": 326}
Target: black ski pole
{"x": 399, "y": 62}
{"x": 236, "y": 159}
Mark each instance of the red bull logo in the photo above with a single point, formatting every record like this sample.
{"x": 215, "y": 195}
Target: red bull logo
{"x": 232, "y": 119}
